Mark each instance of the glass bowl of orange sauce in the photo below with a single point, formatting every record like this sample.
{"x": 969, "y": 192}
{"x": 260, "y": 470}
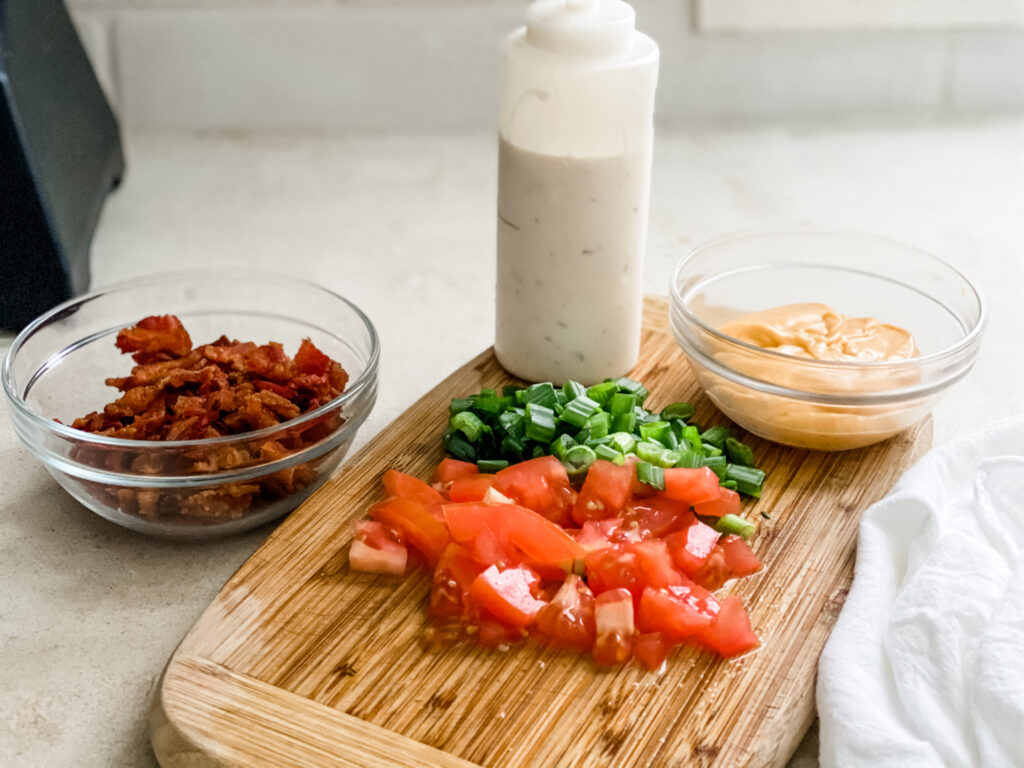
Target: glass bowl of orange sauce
{"x": 828, "y": 340}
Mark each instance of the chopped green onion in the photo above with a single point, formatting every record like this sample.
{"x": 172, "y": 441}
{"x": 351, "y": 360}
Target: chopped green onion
{"x": 710, "y": 450}
{"x": 488, "y": 402}
{"x": 608, "y": 453}
{"x": 624, "y": 422}
{"x": 655, "y": 453}
{"x": 716, "y": 436}
{"x": 623, "y": 442}
{"x": 457, "y": 446}
{"x": 469, "y": 424}
{"x": 651, "y": 475}
{"x": 735, "y": 524}
{"x": 573, "y": 389}
{"x": 577, "y": 461}
{"x": 561, "y": 444}
{"x": 602, "y": 393}
{"x": 621, "y": 402}
{"x": 658, "y": 432}
{"x": 739, "y": 453}
{"x": 748, "y": 479}
{"x": 730, "y": 484}
{"x": 540, "y": 394}
{"x": 692, "y": 436}
{"x": 513, "y": 422}
{"x": 538, "y": 451}
{"x": 579, "y": 410}
{"x": 681, "y": 411}
{"x": 460, "y": 404}
{"x": 490, "y": 466}
{"x": 599, "y": 424}
{"x": 513, "y": 447}
{"x": 510, "y": 390}
{"x": 633, "y": 387}
{"x": 691, "y": 459}
{"x": 540, "y": 423}
{"x": 716, "y": 464}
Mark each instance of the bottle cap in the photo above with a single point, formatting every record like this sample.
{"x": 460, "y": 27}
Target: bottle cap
{"x": 593, "y": 28}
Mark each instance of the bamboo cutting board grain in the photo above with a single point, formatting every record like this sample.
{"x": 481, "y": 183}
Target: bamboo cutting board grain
{"x": 299, "y": 662}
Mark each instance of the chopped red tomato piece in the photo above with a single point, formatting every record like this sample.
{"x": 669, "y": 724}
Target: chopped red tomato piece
{"x": 605, "y": 491}
{"x": 731, "y": 633}
{"x": 613, "y": 568}
{"x": 656, "y": 563}
{"x": 727, "y": 503}
{"x": 693, "y": 486}
{"x": 508, "y": 594}
{"x": 408, "y": 487}
{"x": 539, "y": 538}
{"x": 738, "y": 556}
{"x": 452, "y": 469}
{"x": 542, "y": 485}
{"x": 415, "y": 523}
{"x": 691, "y": 546}
{"x": 651, "y": 649}
{"x": 493, "y": 633}
{"x": 613, "y": 621}
{"x": 679, "y": 612}
{"x": 454, "y": 574}
{"x": 568, "y": 620}
{"x": 597, "y": 534}
{"x": 373, "y": 551}
{"x": 470, "y": 488}
{"x": 657, "y": 516}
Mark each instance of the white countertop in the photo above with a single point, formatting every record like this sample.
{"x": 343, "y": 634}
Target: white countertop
{"x": 404, "y": 226}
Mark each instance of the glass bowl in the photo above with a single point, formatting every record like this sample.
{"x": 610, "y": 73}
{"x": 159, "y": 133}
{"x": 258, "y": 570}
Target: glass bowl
{"x": 56, "y": 368}
{"x": 816, "y": 404}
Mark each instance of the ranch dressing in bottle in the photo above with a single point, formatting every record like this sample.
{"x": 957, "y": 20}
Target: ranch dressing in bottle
{"x": 573, "y": 185}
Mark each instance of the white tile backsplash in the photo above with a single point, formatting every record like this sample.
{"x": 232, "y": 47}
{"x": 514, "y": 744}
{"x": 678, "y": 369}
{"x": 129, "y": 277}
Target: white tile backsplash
{"x": 368, "y": 65}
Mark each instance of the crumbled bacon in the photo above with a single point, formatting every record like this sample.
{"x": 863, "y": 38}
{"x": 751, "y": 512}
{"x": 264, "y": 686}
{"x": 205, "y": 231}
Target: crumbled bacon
{"x": 179, "y": 392}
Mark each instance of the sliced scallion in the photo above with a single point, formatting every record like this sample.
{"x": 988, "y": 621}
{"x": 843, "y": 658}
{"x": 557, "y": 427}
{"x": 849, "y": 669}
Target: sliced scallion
{"x": 651, "y": 475}
{"x": 469, "y": 424}
{"x": 735, "y": 524}
{"x": 716, "y": 436}
{"x": 490, "y": 466}
{"x": 607, "y": 453}
{"x": 540, "y": 423}
{"x": 681, "y": 411}
{"x": 739, "y": 453}
{"x": 577, "y": 411}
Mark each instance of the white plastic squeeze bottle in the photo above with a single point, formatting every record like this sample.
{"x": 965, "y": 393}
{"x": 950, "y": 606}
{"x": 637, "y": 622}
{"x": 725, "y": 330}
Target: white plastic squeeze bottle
{"x": 573, "y": 185}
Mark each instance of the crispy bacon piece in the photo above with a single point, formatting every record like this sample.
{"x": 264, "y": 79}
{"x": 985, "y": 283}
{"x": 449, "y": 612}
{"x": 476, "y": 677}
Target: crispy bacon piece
{"x": 179, "y": 392}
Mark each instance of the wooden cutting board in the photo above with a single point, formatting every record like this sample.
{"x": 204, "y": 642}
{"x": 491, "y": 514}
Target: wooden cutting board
{"x": 299, "y": 662}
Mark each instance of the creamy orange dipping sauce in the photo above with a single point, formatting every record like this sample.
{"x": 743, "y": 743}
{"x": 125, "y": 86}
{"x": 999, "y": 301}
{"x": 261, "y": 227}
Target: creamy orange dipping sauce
{"x": 816, "y": 331}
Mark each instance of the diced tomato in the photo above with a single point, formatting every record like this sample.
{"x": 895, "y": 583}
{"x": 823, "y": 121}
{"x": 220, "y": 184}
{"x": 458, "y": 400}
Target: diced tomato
{"x": 596, "y": 534}
{"x": 540, "y": 484}
{"x": 730, "y": 559}
{"x": 693, "y": 486}
{"x": 417, "y": 525}
{"x": 656, "y": 516}
{"x": 727, "y": 503}
{"x": 454, "y": 574}
{"x": 614, "y": 567}
{"x": 408, "y": 487}
{"x": 373, "y": 551}
{"x": 679, "y": 612}
{"x": 452, "y": 469}
{"x": 540, "y": 539}
{"x": 568, "y": 620}
{"x": 731, "y": 633}
{"x": 656, "y": 564}
{"x": 651, "y": 649}
{"x": 691, "y": 546}
{"x": 471, "y": 488}
{"x": 613, "y": 621}
{"x": 508, "y": 594}
{"x": 605, "y": 491}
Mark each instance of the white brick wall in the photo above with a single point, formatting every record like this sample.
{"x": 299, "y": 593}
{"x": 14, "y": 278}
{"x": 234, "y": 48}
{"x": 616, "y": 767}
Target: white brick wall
{"x": 369, "y": 65}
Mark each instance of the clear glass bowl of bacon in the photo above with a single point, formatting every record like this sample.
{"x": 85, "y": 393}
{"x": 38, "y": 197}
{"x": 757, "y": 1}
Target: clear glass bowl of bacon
{"x": 196, "y": 404}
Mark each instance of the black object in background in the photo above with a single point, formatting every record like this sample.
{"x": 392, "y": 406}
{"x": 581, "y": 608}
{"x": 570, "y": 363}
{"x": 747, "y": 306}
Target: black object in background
{"x": 60, "y": 154}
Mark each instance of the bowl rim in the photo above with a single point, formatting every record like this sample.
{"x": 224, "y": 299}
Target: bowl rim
{"x": 364, "y": 381}
{"x": 969, "y": 339}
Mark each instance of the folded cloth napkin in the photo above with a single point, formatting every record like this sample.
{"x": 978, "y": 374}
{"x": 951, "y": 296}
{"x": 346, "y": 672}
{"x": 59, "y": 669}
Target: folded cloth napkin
{"x": 925, "y": 666}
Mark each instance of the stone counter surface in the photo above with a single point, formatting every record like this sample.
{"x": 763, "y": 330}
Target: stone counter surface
{"x": 404, "y": 226}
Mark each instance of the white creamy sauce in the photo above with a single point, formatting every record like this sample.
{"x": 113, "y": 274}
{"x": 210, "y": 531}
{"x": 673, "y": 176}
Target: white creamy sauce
{"x": 571, "y": 234}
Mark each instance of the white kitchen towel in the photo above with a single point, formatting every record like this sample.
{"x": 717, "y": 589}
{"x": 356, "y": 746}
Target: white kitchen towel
{"x": 925, "y": 666}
